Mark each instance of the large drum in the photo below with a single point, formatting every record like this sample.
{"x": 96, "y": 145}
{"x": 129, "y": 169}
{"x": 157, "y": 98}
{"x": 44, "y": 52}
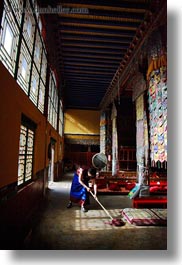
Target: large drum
{"x": 99, "y": 160}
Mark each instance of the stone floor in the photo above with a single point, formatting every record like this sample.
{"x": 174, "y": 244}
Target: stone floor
{"x": 59, "y": 228}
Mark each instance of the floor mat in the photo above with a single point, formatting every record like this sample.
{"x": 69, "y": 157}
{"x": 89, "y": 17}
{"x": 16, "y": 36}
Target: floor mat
{"x": 145, "y": 216}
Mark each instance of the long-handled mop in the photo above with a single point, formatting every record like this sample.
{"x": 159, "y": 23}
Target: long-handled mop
{"x": 114, "y": 221}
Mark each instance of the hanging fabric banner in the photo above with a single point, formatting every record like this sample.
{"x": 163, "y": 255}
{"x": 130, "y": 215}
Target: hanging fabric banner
{"x": 157, "y": 97}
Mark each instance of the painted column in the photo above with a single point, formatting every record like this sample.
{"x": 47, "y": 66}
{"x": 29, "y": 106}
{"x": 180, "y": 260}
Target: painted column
{"x": 109, "y": 140}
{"x": 103, "y": 132}
{"x": 140, "y": 137}
{"x": 114, "y": 141}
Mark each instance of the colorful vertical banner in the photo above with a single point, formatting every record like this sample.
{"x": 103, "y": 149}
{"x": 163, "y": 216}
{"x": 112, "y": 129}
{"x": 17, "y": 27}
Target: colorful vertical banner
{"x": 157, "y": 98}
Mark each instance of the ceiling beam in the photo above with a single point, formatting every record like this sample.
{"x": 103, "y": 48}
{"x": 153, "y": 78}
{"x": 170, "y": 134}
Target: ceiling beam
{"x": 91, "y": 72}
{"x": 102, "y": 18}
{"x": 74, "y": 76}
{"x": 102, "y": 56}
{"x": 97, "y": 65}
{"x": 101, "y": 61}
{"x": 96, "y": 33}
{"x": 96, "y": 46}
{"x": 69, "y": 49}
{"x": 104, "y": 7}
{"x": 98, "y": 26}
{"x": 94, "y": 39}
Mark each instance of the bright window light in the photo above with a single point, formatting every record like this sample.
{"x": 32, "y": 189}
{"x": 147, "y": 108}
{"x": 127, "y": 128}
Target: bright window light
{"x": 29, "y": 27}
{"x": 34, "y": 86}
{"x": 8, "y": 40}
{"x": 24, "y": 68}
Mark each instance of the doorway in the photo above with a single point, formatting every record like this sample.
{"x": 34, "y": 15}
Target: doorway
{"x": 51, "y": 156}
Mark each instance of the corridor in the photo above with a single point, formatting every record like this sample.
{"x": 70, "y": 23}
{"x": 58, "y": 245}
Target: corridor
{"x": 79, "y": 78}
{"x": 59, "y": 228}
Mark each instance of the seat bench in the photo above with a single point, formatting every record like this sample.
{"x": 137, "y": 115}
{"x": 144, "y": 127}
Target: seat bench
{"x": 148, "y": 202}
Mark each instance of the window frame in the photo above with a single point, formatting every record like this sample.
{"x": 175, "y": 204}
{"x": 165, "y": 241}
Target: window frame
{"x": 27, "y": 45}
{"x": 53, "y": 100}
{"x": 30, "y": 127}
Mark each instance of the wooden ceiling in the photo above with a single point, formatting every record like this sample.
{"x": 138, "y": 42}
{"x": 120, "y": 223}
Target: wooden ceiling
{"x": 87, "y": 41}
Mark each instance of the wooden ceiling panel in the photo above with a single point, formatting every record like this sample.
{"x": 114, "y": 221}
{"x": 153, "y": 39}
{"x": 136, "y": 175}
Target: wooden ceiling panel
{"x": 90, "y": 39}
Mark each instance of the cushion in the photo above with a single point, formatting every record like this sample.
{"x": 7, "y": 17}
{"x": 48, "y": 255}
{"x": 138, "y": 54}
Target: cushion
{"x": 114, "y": 186}
{"x": 101, "y": 183}
{"x": 154, "y": 189}
{"x": 130, "y": 186}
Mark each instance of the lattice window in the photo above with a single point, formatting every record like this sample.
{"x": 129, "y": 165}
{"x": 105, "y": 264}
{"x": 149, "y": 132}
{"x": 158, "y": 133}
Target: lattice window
{"x": 35, "y": 6}
{"x": 30, "y": 62}
{"x": 38, "y": 51}
{"x": 41, "y": 97}
{"x": 26, "y": 150}
{"x": 53, "y": 101}
{"x": 44, "y": 67}
{"x": 61, "y": 118}
{"x": 24, "y": 68}
{"x": 34, "y": 86}
{"x": 17, "y": 9}
{"x": 29, "y": 30}
{"x": 9, "y": 36}
{"x": 55, "y": 108}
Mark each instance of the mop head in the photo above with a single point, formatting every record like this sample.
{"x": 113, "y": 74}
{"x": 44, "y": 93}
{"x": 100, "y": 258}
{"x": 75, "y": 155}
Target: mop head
{"x": 116, "y": 222}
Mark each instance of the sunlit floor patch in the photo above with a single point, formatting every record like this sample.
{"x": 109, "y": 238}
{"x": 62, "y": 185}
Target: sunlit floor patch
{"x": 93, "y": 220}
{"x": 58, "y": 186}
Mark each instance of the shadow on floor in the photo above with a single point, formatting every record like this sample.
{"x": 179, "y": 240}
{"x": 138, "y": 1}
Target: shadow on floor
{"x": 59, "y": 228}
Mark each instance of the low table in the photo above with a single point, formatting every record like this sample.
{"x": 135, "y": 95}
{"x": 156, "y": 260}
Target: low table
{"x": 150, "y": 202}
